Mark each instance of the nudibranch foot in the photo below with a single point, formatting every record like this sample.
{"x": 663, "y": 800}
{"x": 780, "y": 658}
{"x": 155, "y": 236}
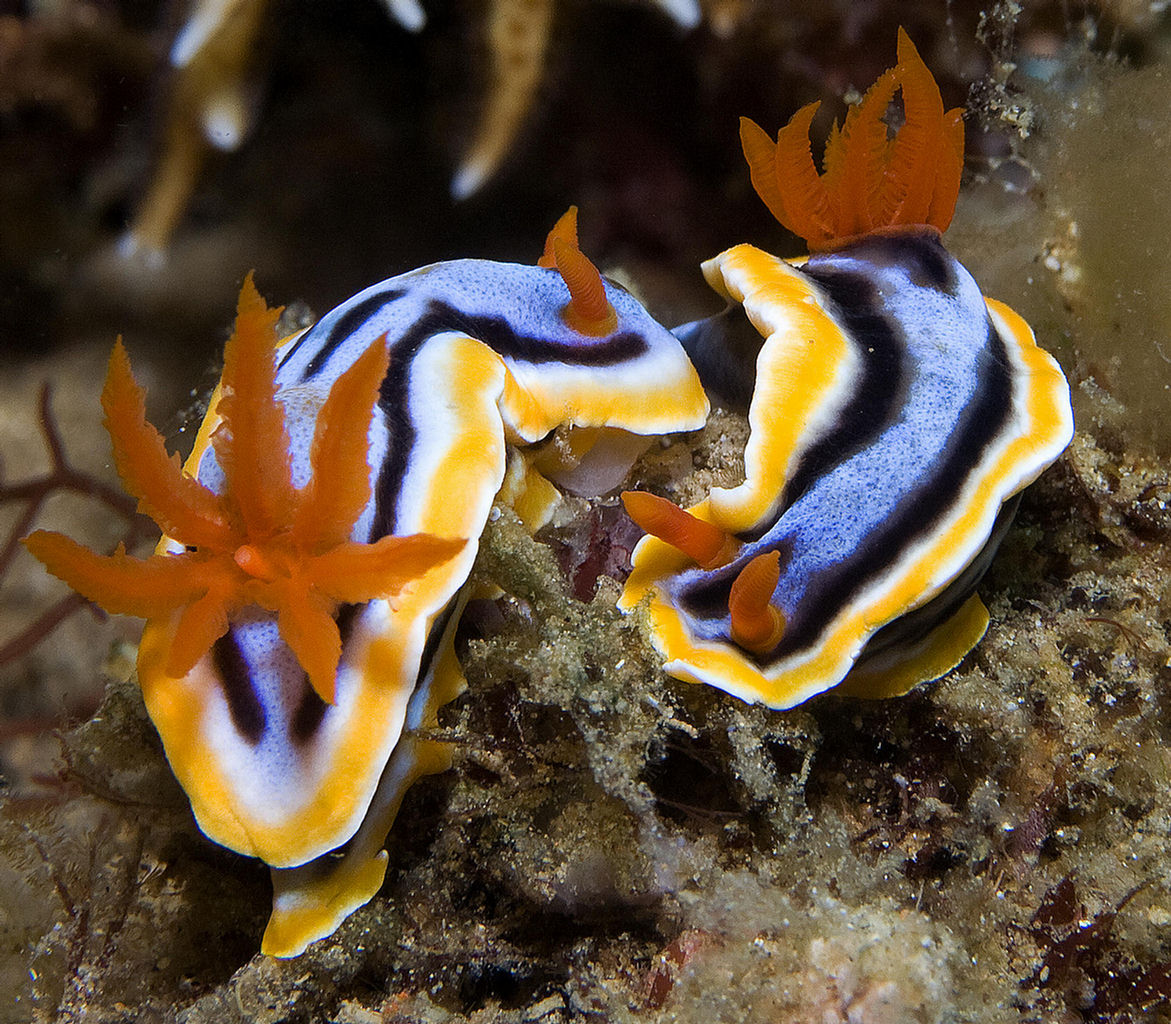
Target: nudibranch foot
{"x": 589, "y": 461}
{"x": 310, "y": 901}
{"x": 930, "y": 641}
{"x": 900, "y": 669}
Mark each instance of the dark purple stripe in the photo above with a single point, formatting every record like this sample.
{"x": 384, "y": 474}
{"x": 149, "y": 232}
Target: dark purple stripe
{"x": 920, "y": 512}
{"x": 498, "y": 335}
{"x": 243, "y": 704}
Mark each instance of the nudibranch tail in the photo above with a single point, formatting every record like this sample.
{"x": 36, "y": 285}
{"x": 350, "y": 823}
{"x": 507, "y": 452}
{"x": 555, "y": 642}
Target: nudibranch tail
{"x": 909, "y": 663}
{"x": 868, "y": 181}
{"x": 311, "y": 900}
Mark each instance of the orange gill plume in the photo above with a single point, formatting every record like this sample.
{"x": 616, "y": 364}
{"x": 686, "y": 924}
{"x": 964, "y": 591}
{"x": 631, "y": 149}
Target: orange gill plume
{"x": 260, "y": 542}
{"x": 868, "y": 181}
{"x": 588, "y": 310}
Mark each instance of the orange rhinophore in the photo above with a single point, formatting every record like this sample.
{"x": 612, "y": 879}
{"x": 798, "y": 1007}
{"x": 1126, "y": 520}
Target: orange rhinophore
{"x": 704, "y": 543}
{"x": 868, "y": 181}
{"x": 589, "y": 310}
{"x": 757, "y": 626}
{"x": 565, "y": 230}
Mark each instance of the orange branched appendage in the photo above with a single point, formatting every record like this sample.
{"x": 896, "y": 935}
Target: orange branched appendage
{"x": 756, "y": 625}
{"x": 704, "y": 543}
{"x": 261, "y": 542}
{"x": 588, "y": 310}
{"x": 868, "y": 182}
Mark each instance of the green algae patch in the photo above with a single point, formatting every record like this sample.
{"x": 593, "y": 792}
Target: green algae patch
{"x": 1081, "y": 250}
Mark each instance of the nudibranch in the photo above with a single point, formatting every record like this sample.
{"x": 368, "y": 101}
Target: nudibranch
{"x": 895, "y": 414}
{"x": 301, "y": 605}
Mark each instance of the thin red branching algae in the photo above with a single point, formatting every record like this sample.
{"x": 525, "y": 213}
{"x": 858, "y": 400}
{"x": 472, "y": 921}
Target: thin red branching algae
{"x": 99, "y": 894}
{"x": 1081, "y": 963}
{"x": 61, "y": 478}
{"x": 1132, "y": 637}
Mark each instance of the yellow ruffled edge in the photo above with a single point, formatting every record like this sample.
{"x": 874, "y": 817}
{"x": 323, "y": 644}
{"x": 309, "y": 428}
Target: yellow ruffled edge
{"x": 347, "y": 780}
{"x": 1045, "y": 430}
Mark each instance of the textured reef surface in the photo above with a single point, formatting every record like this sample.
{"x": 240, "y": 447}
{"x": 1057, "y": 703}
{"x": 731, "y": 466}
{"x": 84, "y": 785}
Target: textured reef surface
{"x": 612, "y": 845}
